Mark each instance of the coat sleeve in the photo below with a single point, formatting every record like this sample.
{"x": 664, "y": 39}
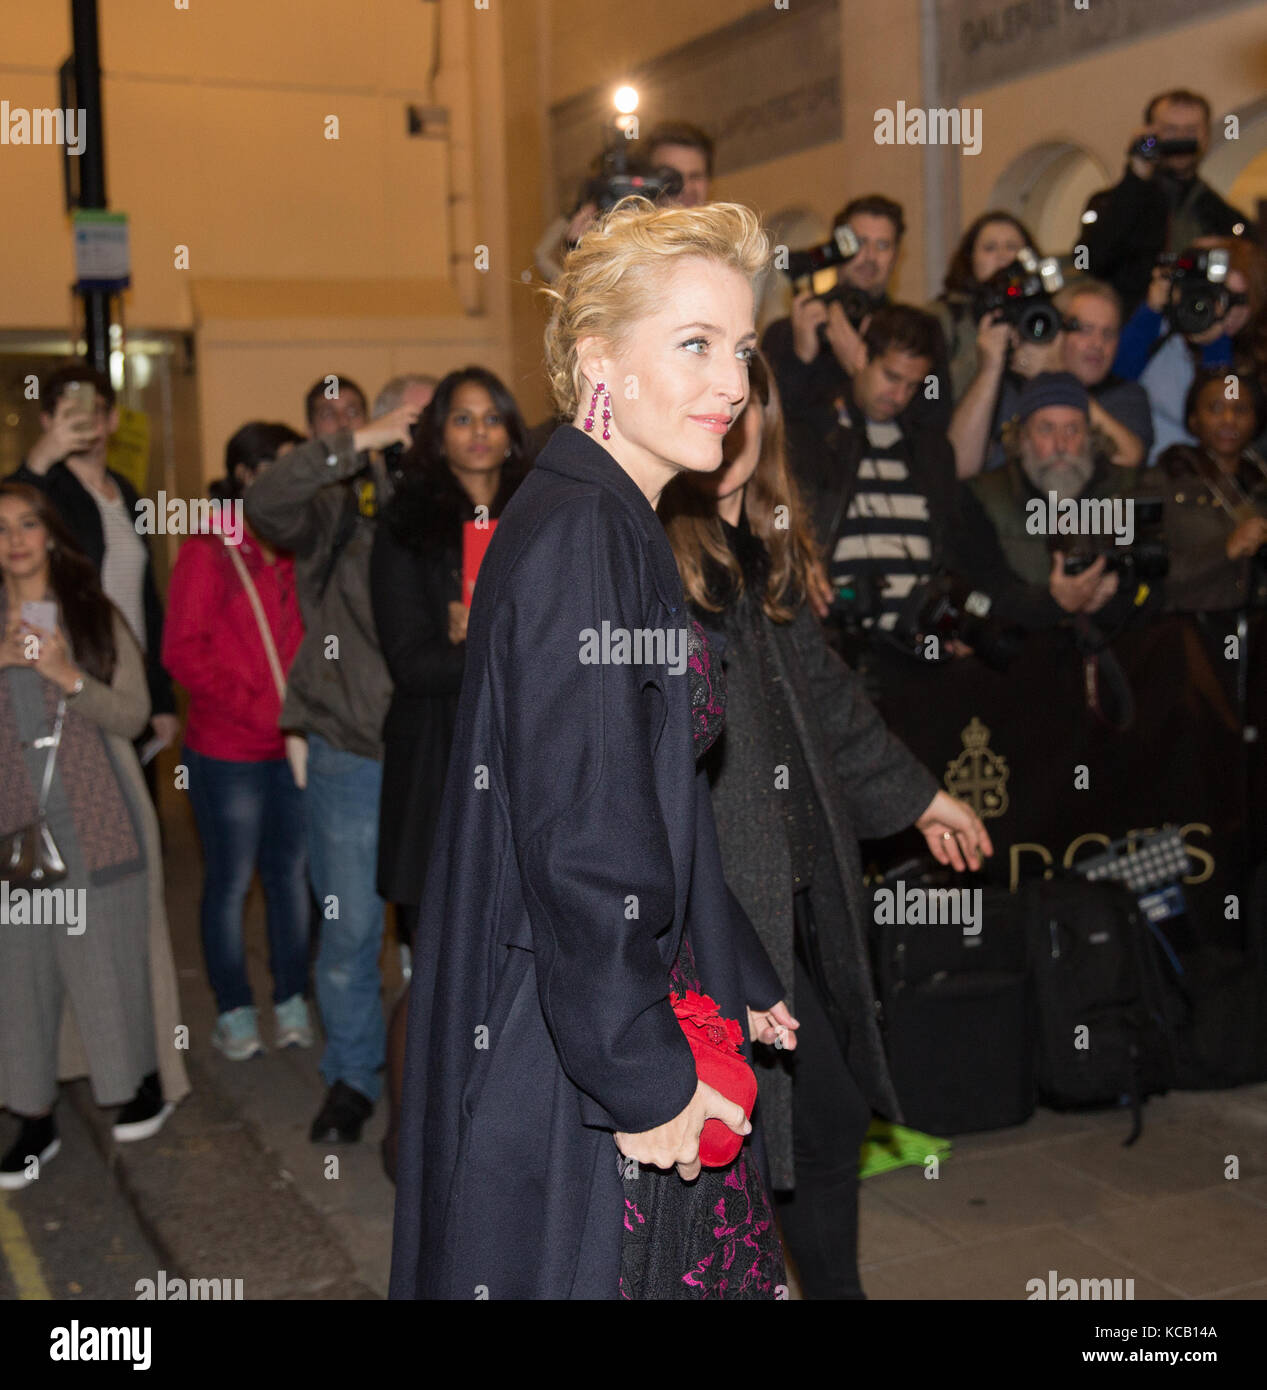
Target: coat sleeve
{"x": 123, "y": 706}
{"x": 419, "y": 655}
{"x": 290, "y": 502}
{"x": 886, "y": 787}
{"x": 592, "y": 846}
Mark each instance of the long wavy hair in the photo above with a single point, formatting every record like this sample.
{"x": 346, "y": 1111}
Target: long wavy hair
{"x": 430, "y": 503}
{"x": 959, "y": 276}
{"x": 776, "y": 516}
{"x": 87, "y": 614}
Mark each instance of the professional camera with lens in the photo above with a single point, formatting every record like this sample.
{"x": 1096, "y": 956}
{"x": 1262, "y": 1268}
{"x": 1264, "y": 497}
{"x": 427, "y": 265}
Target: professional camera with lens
{"x": 1199, "y": 295}
{"x": 842, "y": 247}
{"x": 620, "y": 174}
{"x": 1146, "y": 559}
{"x": 1151, "y": 149}
{"x": 1021, "y": 295}
{"x": 944, "y": 606}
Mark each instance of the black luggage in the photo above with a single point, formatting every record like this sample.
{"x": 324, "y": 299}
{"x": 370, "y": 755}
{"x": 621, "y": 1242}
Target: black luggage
{"x": 1107, "y": 1013}
{"x": 956, "y": 1011}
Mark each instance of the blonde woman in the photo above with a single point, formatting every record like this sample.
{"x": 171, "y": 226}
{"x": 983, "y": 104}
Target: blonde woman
{"x": 550, "y": 1138}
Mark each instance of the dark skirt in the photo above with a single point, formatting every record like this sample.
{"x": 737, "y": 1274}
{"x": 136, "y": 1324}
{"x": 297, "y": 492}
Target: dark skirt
{"x": 711, "y": 1238}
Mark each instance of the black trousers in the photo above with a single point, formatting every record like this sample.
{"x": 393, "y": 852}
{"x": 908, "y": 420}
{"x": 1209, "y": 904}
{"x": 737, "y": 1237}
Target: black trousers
{"x": 829, "y": 1122}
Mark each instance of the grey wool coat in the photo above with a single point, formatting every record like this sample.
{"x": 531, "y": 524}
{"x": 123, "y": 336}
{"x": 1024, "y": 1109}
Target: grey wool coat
{"x": 867, "y": 784}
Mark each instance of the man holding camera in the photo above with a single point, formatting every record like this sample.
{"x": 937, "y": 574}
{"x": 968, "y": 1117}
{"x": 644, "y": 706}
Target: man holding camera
{"x": 881, "y": 492}
{"x": 321, "y": 501}
{"x": 997, "y": 544}
{"x": 1090, "y": 318}
{"x": 1160, "y": 204}
{"x": 820, "y": 347}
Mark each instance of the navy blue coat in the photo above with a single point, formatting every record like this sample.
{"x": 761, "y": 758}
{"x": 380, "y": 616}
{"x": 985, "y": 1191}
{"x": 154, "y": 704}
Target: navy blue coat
{"x": 539, "y": 1016}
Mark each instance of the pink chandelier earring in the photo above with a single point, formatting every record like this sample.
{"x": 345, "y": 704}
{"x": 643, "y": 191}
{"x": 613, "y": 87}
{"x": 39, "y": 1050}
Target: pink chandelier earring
{"x": 607, "y": 410}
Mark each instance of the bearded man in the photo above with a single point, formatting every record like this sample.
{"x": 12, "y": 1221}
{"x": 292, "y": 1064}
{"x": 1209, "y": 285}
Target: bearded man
{"x": 1004, "y": 541}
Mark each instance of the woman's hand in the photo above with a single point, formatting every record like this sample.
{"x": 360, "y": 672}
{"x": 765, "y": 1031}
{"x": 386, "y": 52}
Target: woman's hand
{"x": 52, "y": 658}
{"x": 459, "y": 616}
{"x": 1248, "y": 536}
{"x": 13, "y": 645}
{"x": 677, "y": 1142}
{"x": 774, "y": 1026}
{"x": 954, "y": 832}
{"x": 818, "y": 589}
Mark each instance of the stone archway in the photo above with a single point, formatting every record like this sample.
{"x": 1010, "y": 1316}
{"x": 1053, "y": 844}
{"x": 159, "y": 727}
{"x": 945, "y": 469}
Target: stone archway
{"x": 1047, "y": 186}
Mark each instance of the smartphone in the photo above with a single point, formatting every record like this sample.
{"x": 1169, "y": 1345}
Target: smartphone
{"x": 83, "y": 402}
{"x": 40, "y": 613}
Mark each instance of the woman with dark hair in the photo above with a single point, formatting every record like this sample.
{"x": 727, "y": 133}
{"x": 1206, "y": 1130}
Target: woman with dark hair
{"x": 1215, "y": 497}
{"x": 72, "y": 697}
{"x": 789, "y": 845}
{"x": 233, "y": 628}
{"x": 467, "y": 459}
{"x": 991, "y": 243}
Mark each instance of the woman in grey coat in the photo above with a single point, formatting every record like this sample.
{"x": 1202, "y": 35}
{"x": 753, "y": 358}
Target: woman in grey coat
{"x": 804, "y": 768}
{"x": 70, "y": 669}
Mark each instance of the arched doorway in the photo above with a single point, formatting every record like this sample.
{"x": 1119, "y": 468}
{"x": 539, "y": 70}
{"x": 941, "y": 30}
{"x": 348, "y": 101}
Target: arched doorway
{"x": 1047, "y": 187}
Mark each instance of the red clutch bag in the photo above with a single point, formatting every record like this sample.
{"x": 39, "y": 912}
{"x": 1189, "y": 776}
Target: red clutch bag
{"x": 714, "y": 1043}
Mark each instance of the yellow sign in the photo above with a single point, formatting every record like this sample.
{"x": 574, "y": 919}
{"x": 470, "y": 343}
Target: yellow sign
{"x": 128, "y": 451}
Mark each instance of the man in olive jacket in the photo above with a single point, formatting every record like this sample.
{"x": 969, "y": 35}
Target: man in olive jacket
{"x": 1004, "y": 541}
{"x": 321, "y": 502}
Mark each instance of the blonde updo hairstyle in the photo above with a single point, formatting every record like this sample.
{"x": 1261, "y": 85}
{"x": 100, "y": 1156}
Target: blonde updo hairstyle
{"x": 615, "y": 276}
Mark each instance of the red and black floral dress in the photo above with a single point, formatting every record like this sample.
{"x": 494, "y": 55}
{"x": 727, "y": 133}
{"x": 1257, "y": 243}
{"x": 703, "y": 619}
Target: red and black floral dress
{"x": 714, "y": 1237}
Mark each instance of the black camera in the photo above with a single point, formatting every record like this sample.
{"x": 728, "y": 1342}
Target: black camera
{"x": 1021, "y": 295}
{"x": 1199, "y": 295}
{"x": 839, "y": 250}
{"x": 621, "y": 174}
{"x": 1146, "y": 559}
{"x": 943, "y": 606}
{"x": 1150, "y": 148}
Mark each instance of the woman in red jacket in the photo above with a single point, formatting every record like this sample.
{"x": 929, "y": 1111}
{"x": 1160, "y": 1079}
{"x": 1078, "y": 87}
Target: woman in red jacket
{"x": 233, "y": 627}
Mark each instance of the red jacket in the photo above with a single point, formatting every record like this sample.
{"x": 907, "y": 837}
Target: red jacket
{"x": 213, "y": 647}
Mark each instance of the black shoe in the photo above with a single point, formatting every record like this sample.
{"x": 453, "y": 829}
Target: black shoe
{"x": 342, "y": 1116}
{"x": 36, "y": 1139}
{"x": 145, "y": 1114}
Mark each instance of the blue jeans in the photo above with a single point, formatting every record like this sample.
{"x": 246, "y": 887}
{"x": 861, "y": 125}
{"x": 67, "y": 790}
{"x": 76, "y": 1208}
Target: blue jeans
{"x": 249, "y": 814}
{"x": 342, "y": 813}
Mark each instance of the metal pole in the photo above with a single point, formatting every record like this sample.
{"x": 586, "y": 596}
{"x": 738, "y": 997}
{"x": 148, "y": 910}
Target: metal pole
{"x": 86, "y": 60}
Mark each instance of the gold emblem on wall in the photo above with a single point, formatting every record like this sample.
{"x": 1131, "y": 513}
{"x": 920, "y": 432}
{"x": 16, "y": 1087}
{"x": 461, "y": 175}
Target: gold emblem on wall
{"x": 978, "y": 775}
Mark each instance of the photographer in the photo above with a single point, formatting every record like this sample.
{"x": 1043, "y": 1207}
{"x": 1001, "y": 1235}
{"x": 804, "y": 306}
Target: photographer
{"x": 675, "y": 145}
{"x": 880, "y": 492}
{"x": 1160, "y": 204}
{"x": 1052, "y": 450}
{"x": 1090, "y": 327}
{"x": 1156, "y": 351}
{"x": 1214, "y": 495}
{"x": 990, "y": 244}
{"x": 817, "y": 350}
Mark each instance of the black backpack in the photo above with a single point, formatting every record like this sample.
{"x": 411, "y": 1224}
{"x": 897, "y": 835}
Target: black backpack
{"x": 1108, "y": 1010}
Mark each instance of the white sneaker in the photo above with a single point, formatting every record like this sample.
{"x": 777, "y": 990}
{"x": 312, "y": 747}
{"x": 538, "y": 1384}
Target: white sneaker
{"x": 237, "y": 1033}
{"x": 294, "y": 1025}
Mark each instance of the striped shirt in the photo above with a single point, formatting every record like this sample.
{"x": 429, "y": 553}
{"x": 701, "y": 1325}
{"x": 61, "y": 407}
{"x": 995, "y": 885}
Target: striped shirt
{"x": 886, "y": 536}
{"x": 123, "y": 567}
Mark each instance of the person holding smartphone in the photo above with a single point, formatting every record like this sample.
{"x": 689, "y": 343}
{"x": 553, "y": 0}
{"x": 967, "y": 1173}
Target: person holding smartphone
{"x": 68, "y": 464}
{"x": 72, "y": 690}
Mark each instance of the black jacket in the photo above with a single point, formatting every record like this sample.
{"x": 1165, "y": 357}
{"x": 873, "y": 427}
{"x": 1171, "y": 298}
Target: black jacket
{"x": 1131, "y": 228}
{"x": 575, "y": 845}
{"x": 415, "y": 573}
{"x": 76, "y": 508}
{"x": 808, "y": 390}
{"x": 866, "y": 783}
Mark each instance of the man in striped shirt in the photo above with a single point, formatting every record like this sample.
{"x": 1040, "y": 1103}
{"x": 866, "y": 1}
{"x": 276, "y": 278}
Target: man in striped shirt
{"x": 882, "y": 496}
